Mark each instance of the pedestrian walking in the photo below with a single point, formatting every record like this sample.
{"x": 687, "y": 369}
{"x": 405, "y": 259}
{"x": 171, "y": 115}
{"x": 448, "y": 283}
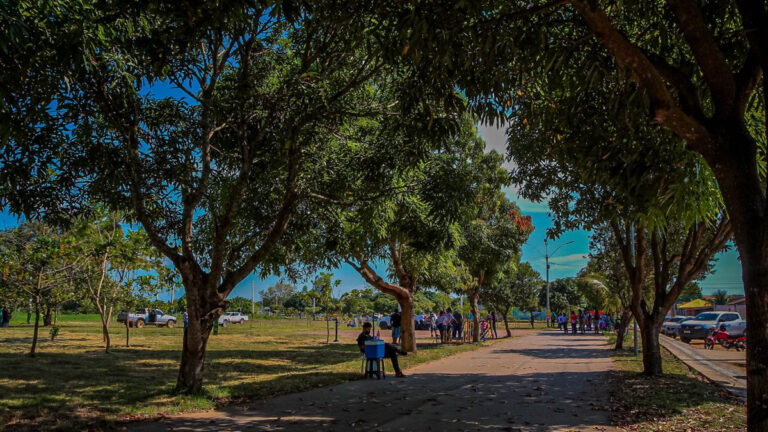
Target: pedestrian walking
{"x": 574, "y": 322}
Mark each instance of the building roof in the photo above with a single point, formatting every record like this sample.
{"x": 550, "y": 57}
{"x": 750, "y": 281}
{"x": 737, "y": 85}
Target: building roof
{"x": 695, "y": 304}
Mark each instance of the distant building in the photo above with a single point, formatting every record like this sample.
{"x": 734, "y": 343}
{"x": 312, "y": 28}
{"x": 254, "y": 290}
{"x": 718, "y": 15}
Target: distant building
{"x": 693, "y": 307}
{"x": 737, "y": 303}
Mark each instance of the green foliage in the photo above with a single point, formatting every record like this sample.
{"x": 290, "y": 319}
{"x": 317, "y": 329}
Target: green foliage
{"x": 565, "y": 296}
{"x": 692, "y": 291}
{"x": 517, "y": 286}
{"x": 721, "y": 297}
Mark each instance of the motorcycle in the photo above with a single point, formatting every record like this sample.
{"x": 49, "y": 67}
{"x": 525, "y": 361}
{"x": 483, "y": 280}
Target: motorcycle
{"x": 725, "y": 340}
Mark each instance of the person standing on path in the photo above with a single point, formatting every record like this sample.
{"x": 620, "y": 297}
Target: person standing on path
{"x": 574, "y": 322}
{"x": 596, "y": 321}
{"x": 457, "y": 325}
{"x": 533, "y": 320}
{"x": 581, "y": 321}
{"x": 432, "y": 325}
{"x": 395, "y": 321}
{"x": 562, "y": 324}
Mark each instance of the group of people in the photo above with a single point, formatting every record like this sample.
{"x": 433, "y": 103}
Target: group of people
{"x": 448, "y": 325}
{"x": 585, "y": 321}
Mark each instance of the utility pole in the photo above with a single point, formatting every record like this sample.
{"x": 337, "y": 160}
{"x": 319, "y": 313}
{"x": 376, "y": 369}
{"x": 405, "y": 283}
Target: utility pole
{"x": 546, "y": 261}
{"x": 253, "y": 297}
{"x": 547, "y": 314}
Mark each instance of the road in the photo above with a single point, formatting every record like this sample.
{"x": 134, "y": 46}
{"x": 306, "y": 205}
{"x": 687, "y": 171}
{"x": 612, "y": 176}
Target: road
{"x": 725, "y": 367}
{"x": 542, "y": 382}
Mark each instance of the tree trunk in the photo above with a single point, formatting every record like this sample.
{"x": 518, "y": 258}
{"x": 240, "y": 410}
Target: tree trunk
{"x": 744, "y": 196}
{"x": 202, "y": 314}
{"x": 506, "y": 323}
{"x": 649, "y": 332}
{"x": 127, "y": 333}
{"x": 192, "y": 366}
{"x": 32, "y": 351}
{"x": 48, "y": 317}
{"x": 473, "y": 297}
{"x": 626, "y": 315}
{"x": 407, "y": 327}
{"x": 105, "y": 333}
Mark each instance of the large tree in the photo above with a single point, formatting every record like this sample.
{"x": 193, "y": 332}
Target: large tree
{"x": 490, "y": 242}
{"x": 518, "y": 286}
{"x": 700, "y": 71}
{"x": 210, "y": 125}
{"x": 411, "y": 227}
{"x": 605, "y": 269}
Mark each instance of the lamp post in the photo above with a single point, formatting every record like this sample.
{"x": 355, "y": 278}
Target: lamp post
{"x": 546, "y": 260}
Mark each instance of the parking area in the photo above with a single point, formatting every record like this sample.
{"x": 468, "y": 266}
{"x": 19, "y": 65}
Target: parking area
{"x": 724, "y": 366}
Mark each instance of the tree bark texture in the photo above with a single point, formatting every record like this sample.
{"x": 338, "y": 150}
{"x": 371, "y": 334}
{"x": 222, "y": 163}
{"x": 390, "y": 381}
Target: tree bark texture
{"x": 649, "y": 332}
{"x": 506, "y": 322}
{"x": 33, "y": 350}
{"x": 621, "y": 332}
{"x": 48, "y": 317}
{"x": 127, "y": 333}
{"x": 203, "y": 311}
{"x": 407, "y": 327}
{"x": 725, "y": 144}
{"x": 474, "y": 296}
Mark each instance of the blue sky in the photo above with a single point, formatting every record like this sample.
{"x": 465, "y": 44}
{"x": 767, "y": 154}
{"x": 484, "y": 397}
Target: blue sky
{"x": 565, "y": 262}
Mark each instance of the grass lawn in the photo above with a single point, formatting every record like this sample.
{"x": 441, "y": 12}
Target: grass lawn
{"x": 72, "y": 383}
{"x": 680, "y": 400}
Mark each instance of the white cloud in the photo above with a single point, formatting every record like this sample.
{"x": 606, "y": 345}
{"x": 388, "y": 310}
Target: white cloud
{"x": 565, "y": 259}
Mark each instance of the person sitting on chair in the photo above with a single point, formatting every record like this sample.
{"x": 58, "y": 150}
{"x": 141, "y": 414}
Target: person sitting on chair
{"x": 389, "y": 351}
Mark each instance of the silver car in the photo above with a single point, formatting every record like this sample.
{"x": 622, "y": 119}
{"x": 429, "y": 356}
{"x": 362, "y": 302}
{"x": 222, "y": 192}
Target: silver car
{"x": 736, "y": 328}
{"x": 672, "y": 327}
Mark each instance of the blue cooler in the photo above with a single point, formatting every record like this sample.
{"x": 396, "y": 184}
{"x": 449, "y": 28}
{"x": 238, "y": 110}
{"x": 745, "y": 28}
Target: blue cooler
{"x": 374, "y": 349}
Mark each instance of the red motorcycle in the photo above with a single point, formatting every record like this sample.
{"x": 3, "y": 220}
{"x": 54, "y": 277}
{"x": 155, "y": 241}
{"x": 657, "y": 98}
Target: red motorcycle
{"x": 725, "y": 340}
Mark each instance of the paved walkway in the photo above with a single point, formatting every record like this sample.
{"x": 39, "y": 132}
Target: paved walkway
{"x": 725, "y": 367}
{"x": 541, "y": 382}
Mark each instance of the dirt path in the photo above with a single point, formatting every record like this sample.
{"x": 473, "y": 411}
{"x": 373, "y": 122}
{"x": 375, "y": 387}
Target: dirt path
{"x": 541, "y": 382}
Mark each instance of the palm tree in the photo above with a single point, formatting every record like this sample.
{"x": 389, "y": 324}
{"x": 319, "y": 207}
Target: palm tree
{"x": 721, "y": 297}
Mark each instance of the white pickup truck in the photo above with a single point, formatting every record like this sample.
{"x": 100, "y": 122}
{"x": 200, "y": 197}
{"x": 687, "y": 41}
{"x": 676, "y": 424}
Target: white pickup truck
{"x": 232, "y": 318}
{"x": 704, "y": 323}
{"x": 146, "y": 316}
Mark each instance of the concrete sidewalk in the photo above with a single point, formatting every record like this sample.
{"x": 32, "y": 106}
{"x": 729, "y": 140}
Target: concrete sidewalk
{"x": 725, "y": 367}
{"x": 542, "y": 382}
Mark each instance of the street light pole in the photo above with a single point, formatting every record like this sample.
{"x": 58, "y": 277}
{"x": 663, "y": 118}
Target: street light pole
{"x": 548, "y": 313}
{"x": 546, "y": 261}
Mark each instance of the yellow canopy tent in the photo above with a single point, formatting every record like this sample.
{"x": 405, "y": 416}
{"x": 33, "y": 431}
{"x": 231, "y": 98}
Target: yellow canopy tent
{"x": 695, "y": 304}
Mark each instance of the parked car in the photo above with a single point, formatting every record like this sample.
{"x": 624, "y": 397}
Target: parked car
{"x": 146, "y": 316}
{"x": 703, "y": 323}
{"x": 736, "y": 328}
{"x": 671, "y": 327}
{"x": 385, "y": 322}
{"x": 232, "y": 318}
{"x": 419, "y": 321}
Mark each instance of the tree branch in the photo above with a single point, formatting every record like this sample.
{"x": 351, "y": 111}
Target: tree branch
{"x": 709, "y": 57}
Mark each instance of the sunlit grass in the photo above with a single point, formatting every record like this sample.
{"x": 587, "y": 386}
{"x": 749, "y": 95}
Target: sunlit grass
{"x": 72, "y": 383}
